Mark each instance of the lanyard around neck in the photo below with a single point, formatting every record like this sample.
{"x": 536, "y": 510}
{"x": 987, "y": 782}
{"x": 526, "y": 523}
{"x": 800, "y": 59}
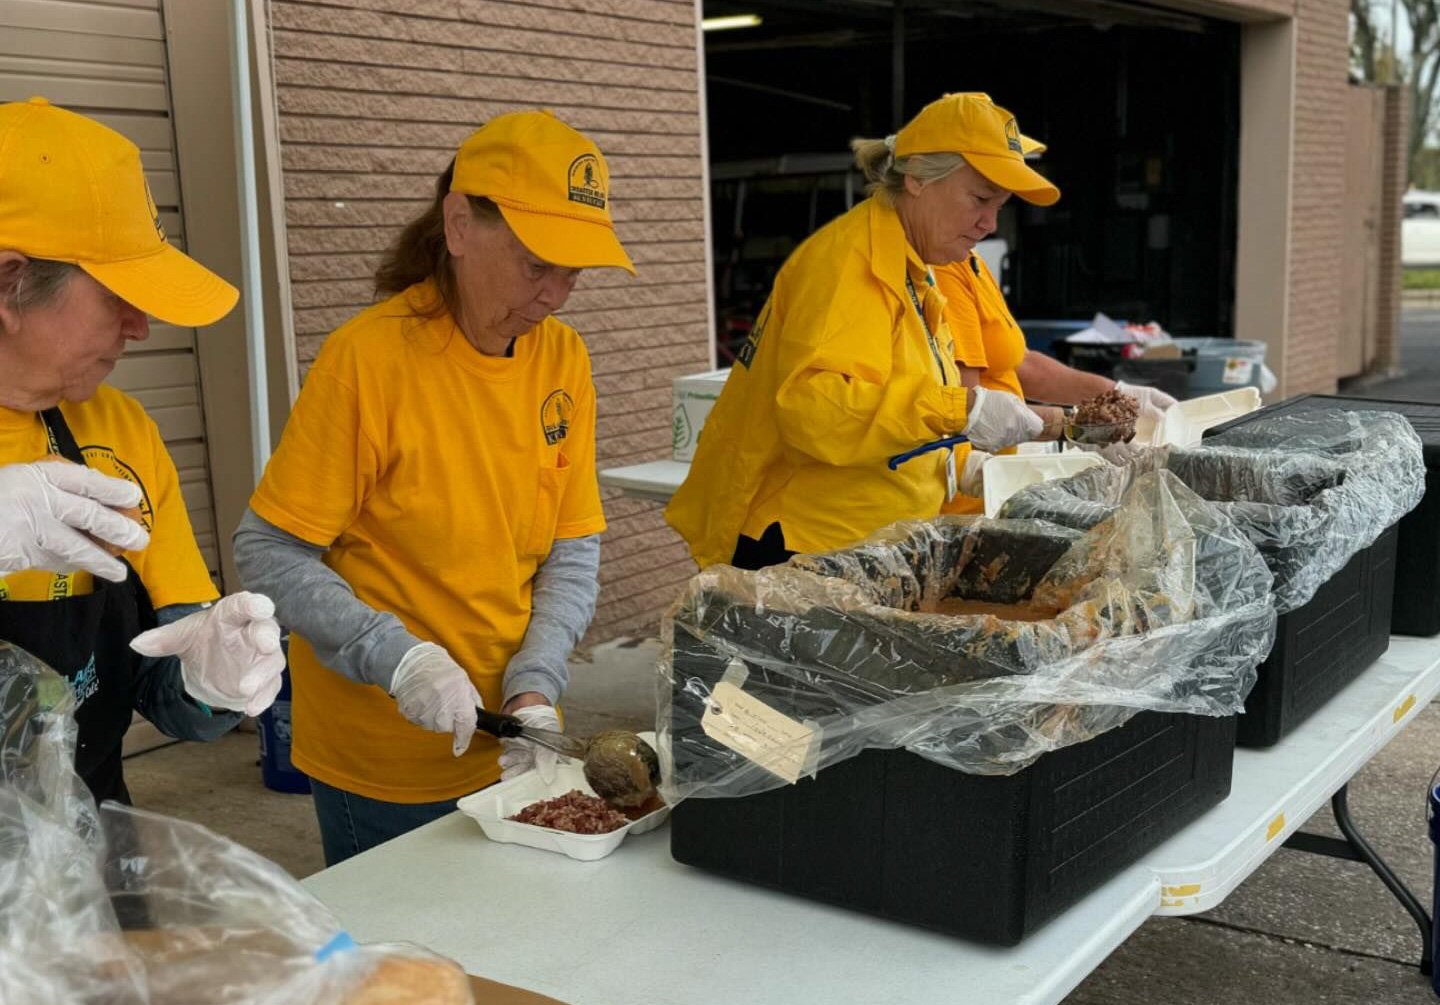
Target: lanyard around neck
{"x": 929, "y": 335}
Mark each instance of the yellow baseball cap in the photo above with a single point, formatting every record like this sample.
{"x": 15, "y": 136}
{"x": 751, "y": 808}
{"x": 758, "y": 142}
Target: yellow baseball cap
{"x": 552, "y": 186}
{"x": 72, "y": 190}
{"x": 972, "y": 125}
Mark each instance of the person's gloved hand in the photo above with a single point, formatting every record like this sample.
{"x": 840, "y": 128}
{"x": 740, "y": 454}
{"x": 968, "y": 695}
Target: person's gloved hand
{"x": 434, "y": 692}
{"x": 519, "y": 756}
{"x": 972, "y": 476}
{"x": 229, "y": 653}
{"x": 1153, "y": 401}
{"x": 998, "y": 420}
{"x": 48, "y": 507}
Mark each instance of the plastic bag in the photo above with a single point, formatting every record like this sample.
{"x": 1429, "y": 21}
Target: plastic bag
{"x": 1310, "y": 491}
{"x": 121, "y": 906}
{"x": 1166, "y": 606}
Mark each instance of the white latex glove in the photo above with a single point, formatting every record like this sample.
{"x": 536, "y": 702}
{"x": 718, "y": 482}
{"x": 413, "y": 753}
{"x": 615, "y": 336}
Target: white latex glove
{"x": 519, "y": 756}
{"x": 1153, "y": 401}
{"x": 433, "y": 692}
{"x": 972, "y": 476}
{"x": 229, "y": 653}
{"x": 47, "y": 508}
{"x": 998, "y": 420}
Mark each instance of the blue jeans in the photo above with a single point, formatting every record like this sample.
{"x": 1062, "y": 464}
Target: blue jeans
{"x": 350, "y": 824}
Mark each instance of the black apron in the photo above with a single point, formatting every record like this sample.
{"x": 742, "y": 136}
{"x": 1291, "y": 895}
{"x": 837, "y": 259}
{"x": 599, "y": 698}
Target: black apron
{"x": 86, "y": 639}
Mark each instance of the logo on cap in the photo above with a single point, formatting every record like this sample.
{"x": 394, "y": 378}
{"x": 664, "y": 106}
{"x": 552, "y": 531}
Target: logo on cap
{"x": 555, "y": 416}
{"x": 154, "y": 212}
{"x": 1012, "y": 137}
{"x": 585, "y": 184}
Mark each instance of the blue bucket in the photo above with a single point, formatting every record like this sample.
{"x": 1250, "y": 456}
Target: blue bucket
{"x": 275, "y": 768}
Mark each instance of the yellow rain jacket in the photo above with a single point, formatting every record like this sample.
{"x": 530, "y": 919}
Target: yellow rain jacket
{"x": 986, "y": 338}
{"x": 838, "y": 375}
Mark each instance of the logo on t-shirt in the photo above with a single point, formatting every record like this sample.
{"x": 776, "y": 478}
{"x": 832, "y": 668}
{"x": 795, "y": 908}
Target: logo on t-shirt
{"x": 555, "y": 416}
{"x": 105, "y": 461}
{"x": 586, "y": 184}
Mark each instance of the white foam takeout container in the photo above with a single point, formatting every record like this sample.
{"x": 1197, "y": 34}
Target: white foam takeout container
{"x": 490, "y": 808}
{"x": 1007, "y": 474}
{"x": 1185, "y": 422}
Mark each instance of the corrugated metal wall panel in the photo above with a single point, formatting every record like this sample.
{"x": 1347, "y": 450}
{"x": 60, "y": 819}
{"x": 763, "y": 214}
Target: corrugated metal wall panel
{"x": 374, "y": 97}
{"x": 107, "y": 60}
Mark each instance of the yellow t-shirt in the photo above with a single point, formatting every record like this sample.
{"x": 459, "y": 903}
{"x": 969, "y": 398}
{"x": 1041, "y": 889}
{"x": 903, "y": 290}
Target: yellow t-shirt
{"x": 438, "y": 478}
{"x": 986, "y": 338}
{"x": 120, "y": 440}
{"x": 839, "y": 374}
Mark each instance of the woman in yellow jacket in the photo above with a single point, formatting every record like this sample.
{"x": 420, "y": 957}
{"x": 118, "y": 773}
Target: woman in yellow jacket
{"x": 851, "y": 363}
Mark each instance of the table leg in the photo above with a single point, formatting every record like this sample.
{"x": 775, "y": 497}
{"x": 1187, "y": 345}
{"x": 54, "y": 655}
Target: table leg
{"x": 1355, "y": 848}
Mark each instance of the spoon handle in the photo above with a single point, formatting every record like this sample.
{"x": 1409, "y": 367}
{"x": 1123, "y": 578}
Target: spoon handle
{"x": 503, "y": 726}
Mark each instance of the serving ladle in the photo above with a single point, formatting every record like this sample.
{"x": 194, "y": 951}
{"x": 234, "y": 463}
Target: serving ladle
{"x": 622, "y": 768}
{"x": 1091, "y": 434}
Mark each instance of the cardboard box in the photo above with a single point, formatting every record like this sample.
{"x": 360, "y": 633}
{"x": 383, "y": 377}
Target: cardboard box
{"x": 693, "y": 398}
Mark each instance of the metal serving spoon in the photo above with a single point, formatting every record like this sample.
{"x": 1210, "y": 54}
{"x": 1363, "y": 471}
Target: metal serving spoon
{"x": 622, "y": 768}
{"x": 1099, "y": 435}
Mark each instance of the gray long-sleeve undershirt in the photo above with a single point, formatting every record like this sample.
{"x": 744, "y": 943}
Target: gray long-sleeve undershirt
{"x": 366, "y": 645}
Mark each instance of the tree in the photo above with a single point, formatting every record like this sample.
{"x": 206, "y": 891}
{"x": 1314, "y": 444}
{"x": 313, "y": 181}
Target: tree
{"x": 1424, "y": 73}
{"x": 1363, "y": 40}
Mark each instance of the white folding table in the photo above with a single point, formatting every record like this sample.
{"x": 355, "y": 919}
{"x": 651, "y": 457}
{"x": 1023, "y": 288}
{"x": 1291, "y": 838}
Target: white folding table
{"x": 639, "y": 928}
{"x": 654, "y": 480}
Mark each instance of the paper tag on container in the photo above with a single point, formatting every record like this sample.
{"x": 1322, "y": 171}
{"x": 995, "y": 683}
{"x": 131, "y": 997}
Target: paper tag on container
{"x": 756, "y": 731}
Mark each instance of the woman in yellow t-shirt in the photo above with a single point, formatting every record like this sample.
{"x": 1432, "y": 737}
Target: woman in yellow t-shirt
{"x": 990, "y": 352}
{"x": 83, "y": 261}
{"x": 430, "y": 522}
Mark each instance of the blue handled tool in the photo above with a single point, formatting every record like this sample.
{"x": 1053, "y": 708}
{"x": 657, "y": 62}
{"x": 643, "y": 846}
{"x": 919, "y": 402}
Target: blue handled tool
{"x": 949, "y": 441}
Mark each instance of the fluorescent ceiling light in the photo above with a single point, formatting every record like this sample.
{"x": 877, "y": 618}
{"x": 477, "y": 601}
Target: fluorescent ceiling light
{"x": 733, "y": 21}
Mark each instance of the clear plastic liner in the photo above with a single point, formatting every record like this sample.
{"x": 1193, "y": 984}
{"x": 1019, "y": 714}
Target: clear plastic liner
{"x": 1310, "y": 491}
{"x": 121, "y": 906}
{"x": 1165, "y": 606}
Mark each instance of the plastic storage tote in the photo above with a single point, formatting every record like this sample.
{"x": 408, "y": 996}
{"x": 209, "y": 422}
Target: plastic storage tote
{"x": 1417, "y": 562}
{"x": 1041, "y": 336}
{"x": 1222, "y": 364}
{"x": 1318, "y": 496}
{"x": 980, "y": 720}
{"x": 982, "y": 857}
{"x": 1323, "y": 645}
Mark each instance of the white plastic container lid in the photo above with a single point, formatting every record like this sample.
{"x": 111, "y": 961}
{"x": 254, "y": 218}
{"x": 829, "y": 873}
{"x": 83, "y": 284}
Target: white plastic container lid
{"x": 1185, "y": 422}
{"x": 1009, "y": 473}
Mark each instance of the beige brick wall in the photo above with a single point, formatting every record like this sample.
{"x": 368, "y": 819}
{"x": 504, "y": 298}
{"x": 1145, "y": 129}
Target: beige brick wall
{"x": 375, "y": 95}
{"x": 1317, "y": 248}
{"x": 1392, "y": 189}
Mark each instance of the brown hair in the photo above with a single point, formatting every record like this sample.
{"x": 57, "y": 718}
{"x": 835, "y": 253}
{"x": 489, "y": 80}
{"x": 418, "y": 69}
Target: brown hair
{"x": 419, "y": 253}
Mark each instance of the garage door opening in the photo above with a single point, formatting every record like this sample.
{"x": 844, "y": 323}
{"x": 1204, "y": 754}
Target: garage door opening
{"x": 1139, "y": 107}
